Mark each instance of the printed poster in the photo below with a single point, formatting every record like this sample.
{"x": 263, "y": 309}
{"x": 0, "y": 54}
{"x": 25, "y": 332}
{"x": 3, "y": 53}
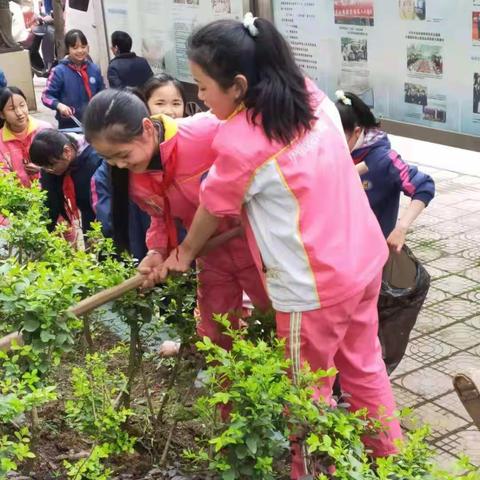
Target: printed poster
{"x": 299, "y": 22}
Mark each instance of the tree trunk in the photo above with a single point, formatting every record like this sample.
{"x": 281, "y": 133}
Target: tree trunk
{"x": 59, "y": 24}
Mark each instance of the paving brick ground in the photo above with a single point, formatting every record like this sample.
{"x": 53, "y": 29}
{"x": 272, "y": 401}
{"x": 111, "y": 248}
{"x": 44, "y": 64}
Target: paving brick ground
{"x": 446, "y": 338}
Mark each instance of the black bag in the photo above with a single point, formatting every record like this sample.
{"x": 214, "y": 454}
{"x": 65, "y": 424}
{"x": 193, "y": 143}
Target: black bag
{"x": 405, "y": 285}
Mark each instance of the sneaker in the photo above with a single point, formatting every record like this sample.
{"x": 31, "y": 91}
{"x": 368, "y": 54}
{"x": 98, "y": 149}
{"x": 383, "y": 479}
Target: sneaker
{"x": 467, "y": 386}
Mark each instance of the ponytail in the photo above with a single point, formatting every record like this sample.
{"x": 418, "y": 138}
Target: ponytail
{"x": 120, "y": 208}
{"x": 277, "y": 95}
{"x": 354, "y": 112}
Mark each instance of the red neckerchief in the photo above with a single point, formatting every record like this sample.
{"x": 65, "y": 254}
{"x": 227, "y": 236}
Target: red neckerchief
{"x": 82, "y": 71}
{"x": 168, "y": 178}
{"x": 70, "y": 198}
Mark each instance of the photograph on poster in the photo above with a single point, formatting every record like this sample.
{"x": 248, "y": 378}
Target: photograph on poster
{"x": 354, "y": 51}
{"x": 153, "y": 52}
{"x": 412, "y": 9}
{"x": 433, "y": 114}
{"x": 476, "y": 26}
{"x": 357, "y": 82}
{"x": 476, "y": 93}
{"x": 221, "y": 7}
{"x": 425, "y": 59}
{"x": 354, "y": 12}
{"x": 416, "y": 94}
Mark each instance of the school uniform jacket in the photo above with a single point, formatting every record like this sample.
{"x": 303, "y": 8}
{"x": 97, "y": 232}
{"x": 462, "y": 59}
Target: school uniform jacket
{"x": 14, "y": 152}
{"x": 305, "y": 207}
{"x": 387, "y": 177}
{"x": 187, "y": 152}
{"x": 66, "y": 85}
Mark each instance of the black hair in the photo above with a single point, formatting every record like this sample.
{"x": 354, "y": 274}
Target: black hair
{"x": 119, "y": 183}
{"x": 7, "y": 93}
{"x": 138, "y": 92}
{"x": 161, "y": 80}
{"x": 122, "y": 40}
{"x": 116, "y": 115}
{"x": 358, "y": 114}
{"x": 48, "y": 146}
{"x": 73, "y": 36}
{"x": 276, "y": 86}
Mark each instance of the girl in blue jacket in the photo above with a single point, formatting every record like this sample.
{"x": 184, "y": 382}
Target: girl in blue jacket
{"x": 73, "y": 82}
{"x": 383, "y": 172}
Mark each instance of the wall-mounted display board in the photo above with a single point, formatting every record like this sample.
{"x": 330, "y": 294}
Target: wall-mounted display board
{"x": 160, "y": 28}
{"x": 413, "y": 61}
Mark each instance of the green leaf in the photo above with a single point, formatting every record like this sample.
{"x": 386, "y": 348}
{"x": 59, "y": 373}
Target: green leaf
{"x": 241, "y": 452}
{"x": 31, "y": 324}
{"x": 228, "y": 475}
{"x": 61, "y": 338}
{"x": 252, "y": 444}
{"x": 46, "y": 336}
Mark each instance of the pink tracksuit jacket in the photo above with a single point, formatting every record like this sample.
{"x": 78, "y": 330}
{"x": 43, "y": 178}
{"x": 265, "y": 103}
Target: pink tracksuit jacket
{"x": 14, "y": 150}
{"x": 319, "y": 240}
{"x": 229, "y": 269}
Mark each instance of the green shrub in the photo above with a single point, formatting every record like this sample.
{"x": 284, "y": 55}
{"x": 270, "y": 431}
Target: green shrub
{"x": 265, "y": 409}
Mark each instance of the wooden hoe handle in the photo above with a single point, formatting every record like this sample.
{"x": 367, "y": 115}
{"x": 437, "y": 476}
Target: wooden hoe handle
{"x": 101, "y": 298}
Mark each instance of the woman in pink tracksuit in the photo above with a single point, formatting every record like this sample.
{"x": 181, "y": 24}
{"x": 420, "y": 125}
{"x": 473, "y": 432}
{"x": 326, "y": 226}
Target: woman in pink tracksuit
{"x": 17, "y": 134}
{"x": 167, "y": 163}
{"x": 282, "y": 161}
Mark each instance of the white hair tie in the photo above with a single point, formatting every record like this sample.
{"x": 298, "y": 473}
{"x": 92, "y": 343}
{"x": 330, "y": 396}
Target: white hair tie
{"x": 340, "y": 94}
{"x": 249, "y": 24}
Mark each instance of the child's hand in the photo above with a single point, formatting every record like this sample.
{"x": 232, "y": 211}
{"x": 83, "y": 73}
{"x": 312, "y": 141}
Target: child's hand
{"x": 149, "y": 267}
{"x": 396, "y": 239}
{"x": 64, "y": 110}
{"x": 31, "y": 168}
{"x": 179, "y": 261}
{"x": 362, "y": 168}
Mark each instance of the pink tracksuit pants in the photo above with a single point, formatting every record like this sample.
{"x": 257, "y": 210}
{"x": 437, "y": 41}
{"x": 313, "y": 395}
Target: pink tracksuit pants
{"x": 344, "y": 336}
{"x": 224, "y": 274}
